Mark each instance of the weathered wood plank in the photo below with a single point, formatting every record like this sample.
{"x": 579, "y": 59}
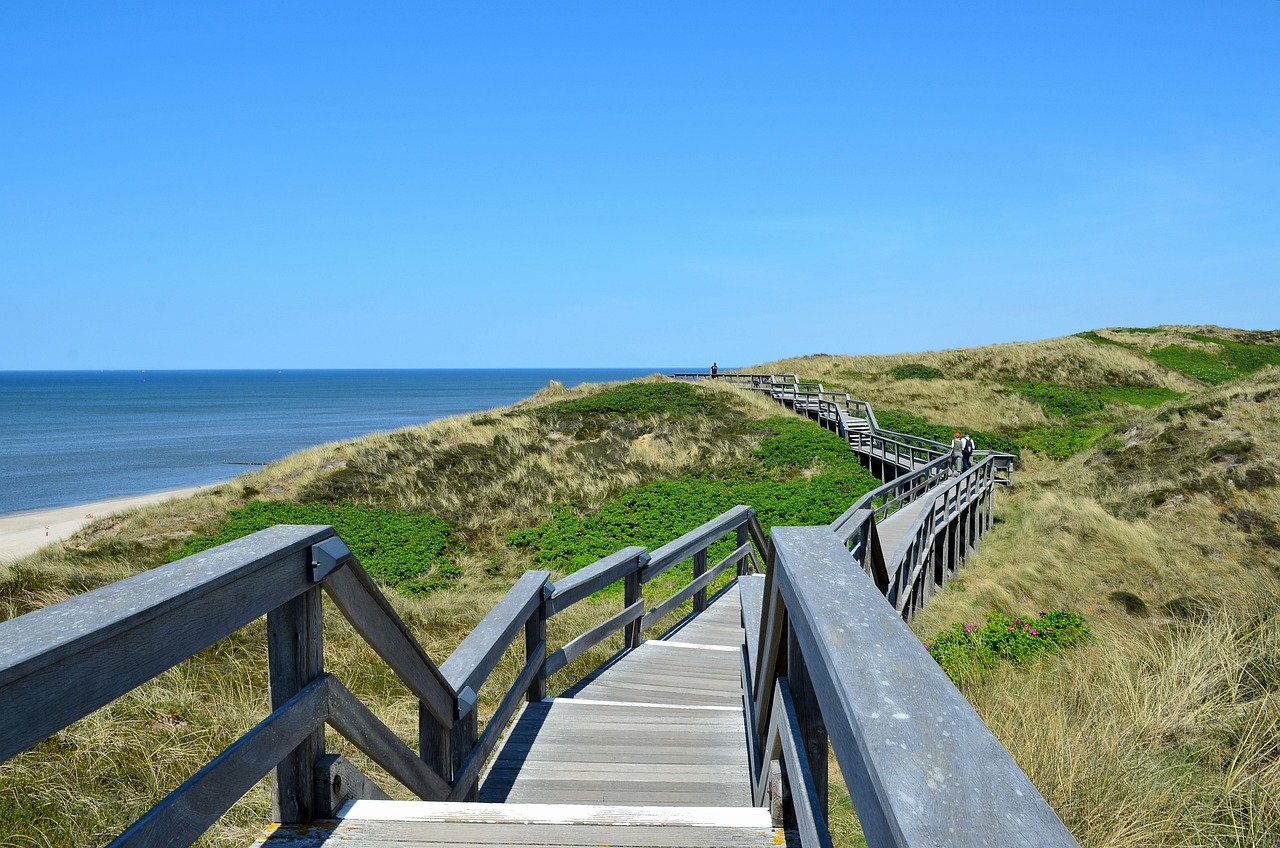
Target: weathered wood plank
{"x": 350, "y": 717}
{"x": 597, "y": 752}
{"x": 691, "y": 590}
{"x": 295, "y": 657}
{"x": 561, "y": 814}
{"x": 580, "y": 645}
{"x": 477, "y": 656}
{"x": 189, "y": 810}
{"x": 391, "y": 833}
{"x": 678, "y": 550}
{"x": 786, "y": 736}
{"x": 594, "y": 577}
{"x": 355, "y": 594}
{"x": 465, "y": 779}
{"x": 338, "y": 781}
{"x": 752, "y": 600}
{"x": 931, "y": 737}
{"x": 62, "y": 662}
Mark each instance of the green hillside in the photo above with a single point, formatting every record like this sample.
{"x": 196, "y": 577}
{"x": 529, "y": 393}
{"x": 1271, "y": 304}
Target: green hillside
{"x": 1146, "y": 503}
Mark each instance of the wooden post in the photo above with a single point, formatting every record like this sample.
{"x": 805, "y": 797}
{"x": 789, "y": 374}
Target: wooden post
{"x": 435, "y": 744}
{"x": 742, "y": 539}
{"x": 535, "y": 639}
{"x": 632, "y": 591}
{"x": 812, "y": 728}
{"x": 295, "y": 657}
{"x": 699, "y": 569}
{"x": 465, "y": 734}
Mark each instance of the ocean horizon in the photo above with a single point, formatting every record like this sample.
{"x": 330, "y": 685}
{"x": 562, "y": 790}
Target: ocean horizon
{"x": 72, "y": 437}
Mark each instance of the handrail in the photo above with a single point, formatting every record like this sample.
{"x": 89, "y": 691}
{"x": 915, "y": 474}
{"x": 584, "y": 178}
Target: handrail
{"x": 831, "y": 409}
{"x": 907, "y": 742}
{"x": 60, "y": 663}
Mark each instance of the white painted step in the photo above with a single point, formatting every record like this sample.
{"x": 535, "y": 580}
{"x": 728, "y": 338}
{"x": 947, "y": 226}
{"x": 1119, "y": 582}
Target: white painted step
{"x": 425, "y": 824}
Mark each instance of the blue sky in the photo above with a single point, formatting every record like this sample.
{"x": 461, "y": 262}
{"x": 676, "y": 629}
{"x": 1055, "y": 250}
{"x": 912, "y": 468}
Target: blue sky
{"x": 295, "y": 185}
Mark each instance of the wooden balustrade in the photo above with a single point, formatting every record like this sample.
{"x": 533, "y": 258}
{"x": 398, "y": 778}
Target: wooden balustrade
{"x": 920, "y": 765}
{"x": 819, "y": 635}
{"x": 62, "y": 662}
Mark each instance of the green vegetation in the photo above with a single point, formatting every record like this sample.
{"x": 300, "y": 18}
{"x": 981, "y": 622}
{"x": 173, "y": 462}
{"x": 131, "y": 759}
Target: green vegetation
{"x": 402, "y": 549}
{"x": 801, "y": 475}
{"x": 1078, "y": 404}
{"x": 968, "y": 651}
{"x": 1200, "y": 364}
{"x": 639, "y": 399}
{"x": 1088, "y": 414}
{"x": 1160, "y": 525}
{"x": 1226, "y": 360}
{"x": 915, "y": 371}
{"x": 1061, "y": 441}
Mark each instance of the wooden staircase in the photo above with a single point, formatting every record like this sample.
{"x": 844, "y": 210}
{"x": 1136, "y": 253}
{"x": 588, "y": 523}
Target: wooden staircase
{"x": 710, "y": 735}
{"x": 648, "y": 750}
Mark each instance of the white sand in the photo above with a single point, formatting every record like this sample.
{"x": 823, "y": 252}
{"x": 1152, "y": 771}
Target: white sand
{"x": 22, "y": 533}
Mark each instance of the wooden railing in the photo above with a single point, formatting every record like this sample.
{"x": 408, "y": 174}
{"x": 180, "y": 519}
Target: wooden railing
{"x": 938, "y": 541}
{"x": 60, "y": 663}
{"x": 890, "y": 452}
{"x": 831, "y": 666}
{"x": 826, "y": 661}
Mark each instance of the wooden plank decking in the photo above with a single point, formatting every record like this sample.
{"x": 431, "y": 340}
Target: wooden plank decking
{"x": 659, "y": 725}
{"x": 893, "y": 529}
{"x": 410, "y": 824}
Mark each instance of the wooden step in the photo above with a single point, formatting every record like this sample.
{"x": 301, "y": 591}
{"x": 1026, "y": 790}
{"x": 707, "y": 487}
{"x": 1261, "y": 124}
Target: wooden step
{"x": 421, "y": 824}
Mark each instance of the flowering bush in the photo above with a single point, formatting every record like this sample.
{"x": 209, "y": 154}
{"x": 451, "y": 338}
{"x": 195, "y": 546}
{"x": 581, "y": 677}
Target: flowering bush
{"x": 970, "y": 650}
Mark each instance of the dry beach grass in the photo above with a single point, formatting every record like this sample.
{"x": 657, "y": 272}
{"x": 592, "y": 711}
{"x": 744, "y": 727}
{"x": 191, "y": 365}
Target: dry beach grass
{"x": 1161, "y": 731}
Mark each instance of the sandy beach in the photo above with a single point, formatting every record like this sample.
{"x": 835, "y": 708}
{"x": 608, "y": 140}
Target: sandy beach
{"x": 22, "y": 533}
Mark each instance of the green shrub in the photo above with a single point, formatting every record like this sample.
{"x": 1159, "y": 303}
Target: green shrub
{"x": 967, "y": 651}
{"x": 1244, "y": 357}
{"x": 797, "y": 443}
{"x": 403, "y": 549}
{"x": 1061, "y": 441}
{"x": 803, "y": 475}
{"x": 1076, "y": 404}
{"x": 638, "y": 399}
{"x": 915, "y": 371}
{"x": 1200, "y": 364}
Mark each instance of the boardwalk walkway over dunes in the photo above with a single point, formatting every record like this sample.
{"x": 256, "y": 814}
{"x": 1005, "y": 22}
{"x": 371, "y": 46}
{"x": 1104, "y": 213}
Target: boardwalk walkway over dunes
{"x": 714, "y": 732}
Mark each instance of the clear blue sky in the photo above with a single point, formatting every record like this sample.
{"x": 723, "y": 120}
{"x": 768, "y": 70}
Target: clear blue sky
{"x": 295, "y": 185}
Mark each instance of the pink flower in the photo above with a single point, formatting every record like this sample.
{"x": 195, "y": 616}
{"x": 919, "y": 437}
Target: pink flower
{"x": 1035, "y": 632}
{"x": 1010, "y": 628}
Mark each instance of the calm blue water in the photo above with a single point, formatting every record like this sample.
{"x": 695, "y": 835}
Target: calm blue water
{"x": 70, "y": 437}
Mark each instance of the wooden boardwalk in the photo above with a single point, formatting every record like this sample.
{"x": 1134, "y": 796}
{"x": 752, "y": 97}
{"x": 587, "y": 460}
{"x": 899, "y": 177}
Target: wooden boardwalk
{"x": 648, "y": 750}
{"x": 893, "y": 529}
{"x": 658, "y": 747}
{"x": 661, "y": 724}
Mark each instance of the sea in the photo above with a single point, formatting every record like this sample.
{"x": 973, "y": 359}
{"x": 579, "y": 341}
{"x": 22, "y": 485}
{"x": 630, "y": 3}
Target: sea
{"x": 72, "y": 437}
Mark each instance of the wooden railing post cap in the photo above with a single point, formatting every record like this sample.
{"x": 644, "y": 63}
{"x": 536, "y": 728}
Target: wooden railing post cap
{"x": 327, "y": 557}
{"x": 467, "y": 699}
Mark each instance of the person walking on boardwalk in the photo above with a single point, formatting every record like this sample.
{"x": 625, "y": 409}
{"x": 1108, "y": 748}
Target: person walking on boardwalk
{"x": 957, "y": 447}
{"x": 966, "y": 453}
{"x": 715, "y": 371}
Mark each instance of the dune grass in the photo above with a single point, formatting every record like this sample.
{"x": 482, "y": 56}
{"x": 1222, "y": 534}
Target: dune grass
{"x": 473, "y": 481}
{"x": 1163, "y": 532}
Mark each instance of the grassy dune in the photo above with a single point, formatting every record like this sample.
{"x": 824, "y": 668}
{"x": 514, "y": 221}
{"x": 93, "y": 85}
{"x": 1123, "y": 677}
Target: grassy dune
{"x": 1147, "y": 500}
{"x": 1164, "y": 533}
{"x": 509, "y": 486}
